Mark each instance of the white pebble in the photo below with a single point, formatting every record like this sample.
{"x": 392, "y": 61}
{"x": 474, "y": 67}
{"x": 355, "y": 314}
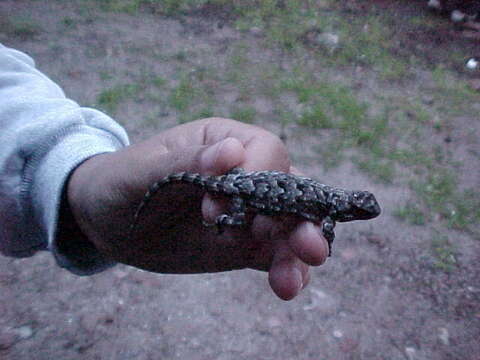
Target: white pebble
{"x": 457, "y": 16}
{"x": 24, "y": 332}
{"x": 410, "y": 352}
{"x": 338, "y": 334}
{"x": 444, "y": 336}
{"x": 472, "y": 64}
{"x": 434, "y": 4}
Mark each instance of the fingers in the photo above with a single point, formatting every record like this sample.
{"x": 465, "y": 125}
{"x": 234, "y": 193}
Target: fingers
{"x": 146, "y": 165}
{"x": 289, "y": 270}
{"x": 308, "y": 244}
{"x": 222, "y": 156}
{"x": 263, "y": 149}
{"x": 288, "y": 273}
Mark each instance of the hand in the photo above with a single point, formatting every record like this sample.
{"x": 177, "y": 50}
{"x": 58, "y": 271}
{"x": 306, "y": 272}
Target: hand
{"x": 104, "y": 192}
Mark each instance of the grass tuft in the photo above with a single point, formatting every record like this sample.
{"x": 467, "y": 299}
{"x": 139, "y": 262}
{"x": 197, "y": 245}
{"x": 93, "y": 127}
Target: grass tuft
{"x": 24, "y": 28}
{"x": 111, "y": 98}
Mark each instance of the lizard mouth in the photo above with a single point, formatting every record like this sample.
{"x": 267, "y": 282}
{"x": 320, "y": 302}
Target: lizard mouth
{"x": 367, "y": 206}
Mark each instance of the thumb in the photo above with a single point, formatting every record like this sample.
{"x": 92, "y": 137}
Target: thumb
{"x": 148, "y": 167}
{"x": 222, "y": 156}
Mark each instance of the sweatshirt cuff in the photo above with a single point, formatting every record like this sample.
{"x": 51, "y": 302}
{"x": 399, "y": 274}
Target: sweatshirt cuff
{"x": 70, "y": 247}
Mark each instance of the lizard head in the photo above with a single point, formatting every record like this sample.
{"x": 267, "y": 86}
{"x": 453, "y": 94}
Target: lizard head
{"x": 362, "y": 206}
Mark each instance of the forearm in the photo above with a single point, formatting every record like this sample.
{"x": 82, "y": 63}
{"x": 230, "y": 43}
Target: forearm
{"x": 43, "y": 137}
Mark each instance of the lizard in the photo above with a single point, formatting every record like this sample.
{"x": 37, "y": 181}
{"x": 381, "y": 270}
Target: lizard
{"x": 274, "y": 193}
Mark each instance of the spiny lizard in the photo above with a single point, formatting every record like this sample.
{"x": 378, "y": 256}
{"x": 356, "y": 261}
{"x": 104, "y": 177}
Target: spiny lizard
{"x": 275, "y": 193}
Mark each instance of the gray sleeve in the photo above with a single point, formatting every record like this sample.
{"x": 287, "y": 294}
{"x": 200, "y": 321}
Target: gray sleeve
{"x": 43, "y": 137}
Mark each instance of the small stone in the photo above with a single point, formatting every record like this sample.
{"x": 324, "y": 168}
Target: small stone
{"x": 255, "y": 30}
{"x": 320, "y": 301}
{"x": 472, "y": 64}
{"x": 24, "y": 332}
{"x": 337, "y": 334}
{"x": 444, "y": 336}
{"x": 410, "y": 352}
{"x": 457, "y": 16}
{"x": 434, "y": 4}
{"x": 329, "y": 40}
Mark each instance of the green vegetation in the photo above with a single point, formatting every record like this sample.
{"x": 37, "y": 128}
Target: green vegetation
{"x": 444, "y": 253}
{"x": 109, "y": 99}
{"x": 411, "y": 213}
{"x": 386, "y": 138}
{"x": 246, "y": 114}
{"x": 24, "y": 28}
{"x": 183, "y": 94}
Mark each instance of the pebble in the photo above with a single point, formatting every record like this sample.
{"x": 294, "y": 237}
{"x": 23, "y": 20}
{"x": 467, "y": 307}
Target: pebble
{"x": 457, "y": 16}
{"x": 444, "y": 336}
{"x": 329, "y": 40}
{"x": 434, "y": 4}
{"x": 472, "y": 64}
{"x": 337, "y": 334}
{"x": 256, "y": 31}
{"x": 320, "y": 301}
{"x": 24, "y": 332}
{"x": 410, "y": 352}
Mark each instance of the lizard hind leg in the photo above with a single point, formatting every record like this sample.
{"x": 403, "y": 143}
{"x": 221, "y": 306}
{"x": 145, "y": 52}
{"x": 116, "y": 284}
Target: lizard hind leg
{"x": 328, "y": 233}
{"x": 236, "y": 217}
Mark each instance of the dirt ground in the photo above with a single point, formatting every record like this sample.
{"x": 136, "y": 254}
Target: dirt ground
{"x": 379, "y": 297}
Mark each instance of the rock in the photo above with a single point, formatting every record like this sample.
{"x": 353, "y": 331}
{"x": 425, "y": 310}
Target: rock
{"x": 337, "y": 334}
{"x": 256, "y": 31}
{"x": 410, "y": 352}
{"x": 457, "y": 16}
{"x": 472, "y": 64}
{"x": 320, "y": 301}
{"x": 444, "y": 336}
{"x": 328, "y": 40}
{"x": 434, "y": 4}
{"x": 24, "y": 332}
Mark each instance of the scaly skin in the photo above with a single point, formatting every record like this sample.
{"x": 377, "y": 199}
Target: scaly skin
{"x": 275, "y": 193}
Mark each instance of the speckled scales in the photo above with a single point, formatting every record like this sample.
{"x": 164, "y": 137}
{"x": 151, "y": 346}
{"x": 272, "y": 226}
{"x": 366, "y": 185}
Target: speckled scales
{"x": 274, "y": 193}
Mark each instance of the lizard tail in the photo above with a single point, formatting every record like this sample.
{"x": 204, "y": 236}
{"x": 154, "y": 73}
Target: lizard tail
{"x": 182, "y": 177}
